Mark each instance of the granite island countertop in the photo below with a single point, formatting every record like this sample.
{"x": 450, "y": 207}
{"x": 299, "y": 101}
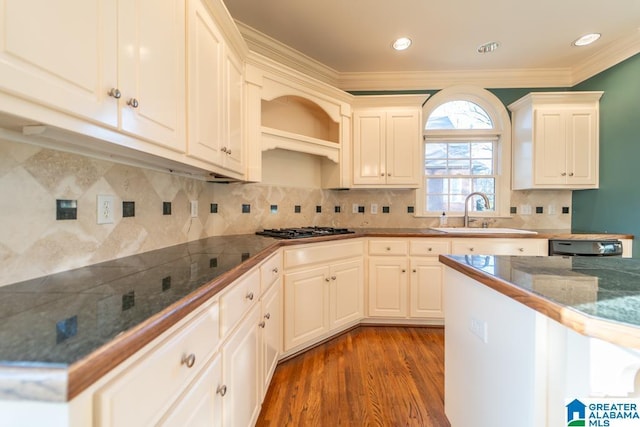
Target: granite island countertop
{"x": 77, "y": 325}
{"x": 595, "y": 296}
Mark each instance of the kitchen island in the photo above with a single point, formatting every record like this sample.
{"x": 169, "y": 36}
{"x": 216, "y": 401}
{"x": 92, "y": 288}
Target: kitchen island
{"x": 527, "y": 335}
{"x": 67, "y": 335}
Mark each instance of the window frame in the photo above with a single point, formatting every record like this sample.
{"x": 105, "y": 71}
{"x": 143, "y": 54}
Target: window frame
{"x": 501, "y": 131}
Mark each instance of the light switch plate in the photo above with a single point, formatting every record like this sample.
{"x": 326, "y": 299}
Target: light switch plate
{"x": 104, "y": 209}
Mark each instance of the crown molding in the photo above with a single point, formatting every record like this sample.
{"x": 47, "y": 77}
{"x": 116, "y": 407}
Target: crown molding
{"x": 490, "y": 79}
{"x": 610, "y": 55}
{"x": 281, "y": 53}
{"x": 606, "y": 57}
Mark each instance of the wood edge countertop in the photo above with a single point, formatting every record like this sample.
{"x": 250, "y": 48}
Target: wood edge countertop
{"x": 610, "y": 331}
{"x": 86, "y": 371}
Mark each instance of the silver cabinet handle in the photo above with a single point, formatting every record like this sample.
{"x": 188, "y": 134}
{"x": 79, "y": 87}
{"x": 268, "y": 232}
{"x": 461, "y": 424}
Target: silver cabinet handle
{"x": 249, "y": 296}
{"x": 229, "y": 151}
{"x": 333, "y": 277}
{"x": 133, "y": 103}
{"x": 382, "y": 174}
{"x": 221, "y": 390}
{"x": 223, "y": 149}
{"x": 571, "y": 174}
{"x": 414, "y": 270}
{"x": 267, "y": 316}
{"x": 326, "y": 279}
{"x": 563, "y": 174}
{"x": 521, "y": 249}
{"x": 275, "y": 270}
{"x": 189, "y": 360}
{"x": 430, "y": 249}
{"x": 262, "y": 324}
{"x": 404, "y": 271}
{"x": 388, "y": 248}
{"x": 470, "y": 249}
{"x": 115, "y": 93}
{"x": 388, "y": 174}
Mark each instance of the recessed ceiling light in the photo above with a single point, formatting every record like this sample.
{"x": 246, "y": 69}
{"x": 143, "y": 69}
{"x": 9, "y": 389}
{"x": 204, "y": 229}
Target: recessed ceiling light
{"x": 402, "y": 43}
{"x": 488, "y": 47}
{"x": 586, "y": 39}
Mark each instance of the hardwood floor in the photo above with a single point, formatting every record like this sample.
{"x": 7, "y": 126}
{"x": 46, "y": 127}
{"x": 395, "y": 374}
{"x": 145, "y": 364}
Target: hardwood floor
{"x": 369, "y": 376}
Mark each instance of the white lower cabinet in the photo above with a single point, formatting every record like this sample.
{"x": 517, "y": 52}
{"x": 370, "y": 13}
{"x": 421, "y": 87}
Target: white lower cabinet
{"x": 321, "y": 294}
{"x": 388, "y": 280}
{"x": 426, "y": 288}
{"x": 201, "y": 405}
{"x": 271, "y": 324}
{"x": 240, "y": 372}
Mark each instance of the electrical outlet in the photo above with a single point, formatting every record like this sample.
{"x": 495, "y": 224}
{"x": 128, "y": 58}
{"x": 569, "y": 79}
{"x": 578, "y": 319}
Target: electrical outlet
{"x": 525, "y": 209}
{"x": 479, "y": 329}
{"x": 194, "y": 208}
{"x": 551, "y": 209}
{"x": 104, "y": 209}
{"x": 354, "y": 208}
{"x": 374, "y": 208}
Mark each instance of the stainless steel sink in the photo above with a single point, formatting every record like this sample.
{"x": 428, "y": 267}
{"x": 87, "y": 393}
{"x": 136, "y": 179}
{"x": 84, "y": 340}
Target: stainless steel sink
{"x": 473, "y": 230}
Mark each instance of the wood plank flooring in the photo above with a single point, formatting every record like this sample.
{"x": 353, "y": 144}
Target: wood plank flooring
{"x": 369, "y": 376}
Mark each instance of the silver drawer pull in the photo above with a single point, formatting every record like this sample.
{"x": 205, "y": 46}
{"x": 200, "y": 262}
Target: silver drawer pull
{"x": 189, "y": 360}
{"x": 404, "y": 271}
{"x": 429, "y": 250}
{"x": 262, "y": 324}
{"x": 221, "y": 390}
{"x": 521, "y": 249}
{"x": 115, "y": 93}
{"x": 275, "y": 270}
{"x": 267, "y": 316}
{"x": 470, "y": 249}
{"x": 133, "y": 103}
{"x": 388, "y": 248}
{"x": 249, "y": 296}
{"x": 333, "y": 277}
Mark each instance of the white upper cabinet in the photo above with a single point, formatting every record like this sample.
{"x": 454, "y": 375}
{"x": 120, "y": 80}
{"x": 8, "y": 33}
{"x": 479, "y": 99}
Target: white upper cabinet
{"x": 61, "y": 54}
{"x": 387, "y": 142}
{"x": 120, "y": 64}
{"x": 556, "y": 140}
{"x": 151, "y": 70}
{"x": 215, "y": 94}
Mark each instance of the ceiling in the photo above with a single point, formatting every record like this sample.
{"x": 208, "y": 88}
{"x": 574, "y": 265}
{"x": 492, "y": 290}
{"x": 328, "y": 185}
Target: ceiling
{"x": 355, "y": 36}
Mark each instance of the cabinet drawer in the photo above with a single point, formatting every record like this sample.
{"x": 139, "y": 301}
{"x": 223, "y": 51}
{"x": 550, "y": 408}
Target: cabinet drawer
{"x": 387, "y": 247}
{"x": 270, "y": 271}
{"x": 429, "y": 247}
{"x": 142, "y": 393}
{"x": 238, "y": 299}
{"x": 531, "y": 247}
{"x": 322, "y": 253}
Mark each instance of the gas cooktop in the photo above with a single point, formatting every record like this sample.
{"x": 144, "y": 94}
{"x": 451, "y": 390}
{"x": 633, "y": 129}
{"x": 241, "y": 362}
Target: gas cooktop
{"x": 302, "y": 232}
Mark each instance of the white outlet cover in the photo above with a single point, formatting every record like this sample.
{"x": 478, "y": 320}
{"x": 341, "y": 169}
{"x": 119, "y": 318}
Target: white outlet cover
{"x": 374, "y": 208}
{"x": 104, "y": 209}
{"x": 194, "y": 208}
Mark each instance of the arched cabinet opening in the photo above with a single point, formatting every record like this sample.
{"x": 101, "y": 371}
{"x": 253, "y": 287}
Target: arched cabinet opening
{"x": 300, "y": 116}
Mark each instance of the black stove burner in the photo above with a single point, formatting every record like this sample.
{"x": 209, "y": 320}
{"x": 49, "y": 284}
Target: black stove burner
{"x": 302, "y": 232}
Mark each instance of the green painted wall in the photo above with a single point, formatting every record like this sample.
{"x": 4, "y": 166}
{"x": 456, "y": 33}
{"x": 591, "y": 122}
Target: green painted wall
{"x": 615, "y": 206}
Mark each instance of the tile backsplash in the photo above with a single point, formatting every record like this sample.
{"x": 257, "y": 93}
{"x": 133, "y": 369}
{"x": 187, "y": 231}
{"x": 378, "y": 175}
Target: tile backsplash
{"x": 34, "y": 243}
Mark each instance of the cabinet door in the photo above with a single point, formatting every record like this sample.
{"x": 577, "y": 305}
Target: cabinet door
{"x": 201, "y": 406}
{"x": 550, "y": 147}
{"x": 403, "y": 147}
{"x": 205, "y": 85}
{"x": 233, "y": 143}
{"x": 61, "y": 54}
{"x": 369, "y": 147}
{"x": 388, "y": 279}
{"x": 306, "y": 296}
{"x": 426, "y": 288}
{"x": 151, "y": 57}
{"x": 240, "y": 371}
{"x": 272, "y": 332}
{"x": 582, "y": 147}
{"x": 346, "y": 293}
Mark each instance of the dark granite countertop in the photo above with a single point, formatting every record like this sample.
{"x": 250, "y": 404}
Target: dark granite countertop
{"x": 596, "y": 296}
{"x": 61, "y": 318}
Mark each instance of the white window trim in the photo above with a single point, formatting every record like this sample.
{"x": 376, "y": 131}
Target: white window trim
{"x": 502, "y": 128}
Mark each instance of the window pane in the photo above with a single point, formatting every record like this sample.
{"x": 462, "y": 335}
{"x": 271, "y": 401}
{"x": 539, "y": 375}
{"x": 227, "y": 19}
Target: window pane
{"x": 435, "y": 150}
{"x": 456, "y": 203}
{"x": 459, "y": 150}
{"x": 482, "y": 150}
{"x": 460, "y": 186}
{"x": 482, "y": 167}
{"x": 435, "y": 167}
{"x": 485, "y": 185}
{"x": 459, "y": 167}
{"x": 438, "y": 186}
{"x": 437, "y": 202}
{"x": 459, "y": 115}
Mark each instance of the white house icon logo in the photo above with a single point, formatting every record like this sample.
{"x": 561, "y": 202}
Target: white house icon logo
{"x": 576, "y": 413}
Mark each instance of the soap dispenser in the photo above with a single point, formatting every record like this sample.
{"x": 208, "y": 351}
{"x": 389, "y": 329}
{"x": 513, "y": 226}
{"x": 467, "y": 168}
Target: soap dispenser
{"x": 443, "y": 220}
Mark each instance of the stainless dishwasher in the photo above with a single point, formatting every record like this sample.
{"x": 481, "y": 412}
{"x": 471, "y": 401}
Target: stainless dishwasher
{"x": 585, "y": 247}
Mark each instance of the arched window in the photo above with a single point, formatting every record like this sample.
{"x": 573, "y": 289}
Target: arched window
{"x": 467, "y": 148}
